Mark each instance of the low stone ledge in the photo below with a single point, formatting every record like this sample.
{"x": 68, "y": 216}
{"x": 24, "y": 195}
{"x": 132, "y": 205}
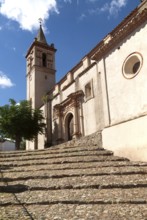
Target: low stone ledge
{"x": 94, "y": 139}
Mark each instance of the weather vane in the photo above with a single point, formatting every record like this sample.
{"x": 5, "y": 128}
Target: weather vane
{"x": 40, "y": 21}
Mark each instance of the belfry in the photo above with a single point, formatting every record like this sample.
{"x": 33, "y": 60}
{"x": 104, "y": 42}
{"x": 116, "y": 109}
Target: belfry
{"x": 40, "y": 69}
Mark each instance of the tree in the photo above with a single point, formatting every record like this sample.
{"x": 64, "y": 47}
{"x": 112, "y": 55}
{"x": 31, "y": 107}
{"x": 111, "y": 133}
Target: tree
{"x": 20, "y": 121}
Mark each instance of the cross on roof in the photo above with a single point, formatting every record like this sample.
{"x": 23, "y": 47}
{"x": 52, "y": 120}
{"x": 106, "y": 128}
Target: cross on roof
{"x": 40, "y": 21}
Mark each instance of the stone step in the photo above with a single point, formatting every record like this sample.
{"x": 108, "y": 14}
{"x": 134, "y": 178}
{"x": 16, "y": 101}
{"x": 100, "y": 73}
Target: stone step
{"x": 47, "y": 183}
{"x": 15, "y": 212}
{"x": 78, "y": 168}
{"x": 61, "y": 211}
{"x": 83, "y": 196}
{"x": 77, "y": 159}
{"x": 76, "y": 183}
{"x": 69, "y": 166}
{"x": 58, "y": 155}
{"x": 55, "y": 147}
{"x": 52, "y": 150}
{"x": 101, "y": 171}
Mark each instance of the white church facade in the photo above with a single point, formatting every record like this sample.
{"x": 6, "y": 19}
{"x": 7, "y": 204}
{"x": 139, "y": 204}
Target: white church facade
{"x": 105, "y": 92}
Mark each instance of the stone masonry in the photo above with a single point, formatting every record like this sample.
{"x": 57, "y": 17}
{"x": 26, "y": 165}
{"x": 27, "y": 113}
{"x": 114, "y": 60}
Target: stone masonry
{"x": 71, "y": 182}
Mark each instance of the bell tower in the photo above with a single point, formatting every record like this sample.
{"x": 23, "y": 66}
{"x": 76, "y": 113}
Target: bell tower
{"x": 40, "y": 60}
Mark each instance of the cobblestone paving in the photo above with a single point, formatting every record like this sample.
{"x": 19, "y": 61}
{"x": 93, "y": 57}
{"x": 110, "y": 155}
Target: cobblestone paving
{"x": 71, "y": 183}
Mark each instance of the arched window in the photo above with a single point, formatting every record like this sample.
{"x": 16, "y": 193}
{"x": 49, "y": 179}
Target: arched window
{"x": 44, "y": 60}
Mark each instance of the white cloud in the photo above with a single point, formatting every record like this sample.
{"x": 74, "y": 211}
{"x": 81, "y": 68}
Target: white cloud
{"x": 92, "y": 1}
{"x": 114, "y": 6}
{"x": 14, "y": 48}
{"x": 27, "y": 12}
{"x": 5, "y": 81}
{"x": 82, "y": 16}
{"x": 68, "y": 1}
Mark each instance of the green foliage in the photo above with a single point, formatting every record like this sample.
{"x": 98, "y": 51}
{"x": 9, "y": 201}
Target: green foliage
{"x": 20, "y": 121}
{"x": 44, "y": 99}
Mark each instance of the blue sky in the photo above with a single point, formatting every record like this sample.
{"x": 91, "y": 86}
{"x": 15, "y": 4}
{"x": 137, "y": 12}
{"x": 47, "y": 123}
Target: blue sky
{"x": 74, "y": 26}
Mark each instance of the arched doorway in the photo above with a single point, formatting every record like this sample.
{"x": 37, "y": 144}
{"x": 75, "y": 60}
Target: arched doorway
{"x": 69, "y": 126}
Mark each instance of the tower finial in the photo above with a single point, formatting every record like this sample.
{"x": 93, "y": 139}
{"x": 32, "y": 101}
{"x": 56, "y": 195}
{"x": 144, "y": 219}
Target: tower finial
{"x": 41, "y": 37}
{"x": 40, "y": 21}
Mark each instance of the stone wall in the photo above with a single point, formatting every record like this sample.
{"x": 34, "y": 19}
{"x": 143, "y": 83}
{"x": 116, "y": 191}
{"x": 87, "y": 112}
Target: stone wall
{"x": 94, "y": 139}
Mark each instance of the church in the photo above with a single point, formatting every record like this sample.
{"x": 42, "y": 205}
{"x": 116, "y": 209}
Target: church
{"x": 105, "y": 93}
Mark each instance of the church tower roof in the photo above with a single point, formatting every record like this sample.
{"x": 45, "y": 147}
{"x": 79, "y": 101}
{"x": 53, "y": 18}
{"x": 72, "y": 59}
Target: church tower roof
{"x": 40, "y": 36}
{"x": 40, "y": 41}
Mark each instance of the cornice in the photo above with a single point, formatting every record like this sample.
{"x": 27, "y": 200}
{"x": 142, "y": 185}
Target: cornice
{"x": 72, "y": 97}
{"x": 126, "y": 27}
{"x": 41, "y": 45}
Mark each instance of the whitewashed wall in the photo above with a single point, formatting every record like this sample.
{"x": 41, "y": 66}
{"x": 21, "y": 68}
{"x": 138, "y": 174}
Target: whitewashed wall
{"x": 127, "y": 97}
{"x": 7, "y": 146}
{"x": 125, "y": 128}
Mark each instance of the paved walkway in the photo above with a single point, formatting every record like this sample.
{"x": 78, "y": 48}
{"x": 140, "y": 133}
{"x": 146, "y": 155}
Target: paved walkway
{"x": 71, "y": 183}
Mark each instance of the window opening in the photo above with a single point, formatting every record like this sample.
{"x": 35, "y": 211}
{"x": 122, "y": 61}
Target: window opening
{"x": 136, "y": 67}
{"x": 132, "y": 65}
{"x": 88, "y": 90}
{"x": 44, "y": 60}
{"x": 70, "y": 127}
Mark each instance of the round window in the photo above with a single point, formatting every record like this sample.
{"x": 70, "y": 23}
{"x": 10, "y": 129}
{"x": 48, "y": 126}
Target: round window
{"x": 132, "y": 65}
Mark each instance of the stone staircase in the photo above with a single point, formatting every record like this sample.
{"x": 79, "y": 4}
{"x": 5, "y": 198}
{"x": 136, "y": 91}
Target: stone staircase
{"x": 71, "y": 183}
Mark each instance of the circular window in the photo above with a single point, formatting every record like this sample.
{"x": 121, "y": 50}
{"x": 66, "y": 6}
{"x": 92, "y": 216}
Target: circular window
{"x": 132, "y": 65}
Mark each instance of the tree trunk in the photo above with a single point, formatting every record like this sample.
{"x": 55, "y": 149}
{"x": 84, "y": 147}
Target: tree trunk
{"x": 17, "y": 143}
